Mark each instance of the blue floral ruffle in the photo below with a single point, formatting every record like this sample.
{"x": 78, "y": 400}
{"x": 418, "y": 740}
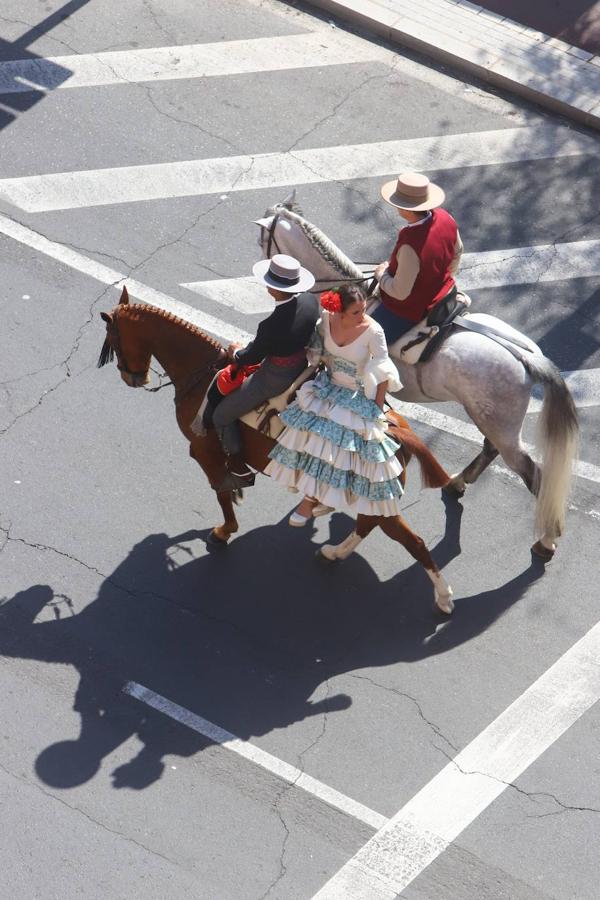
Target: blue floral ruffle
{"x": 345, "y": 438}
{"x": 344, "y": 480}
{"x": 349, "y": 398}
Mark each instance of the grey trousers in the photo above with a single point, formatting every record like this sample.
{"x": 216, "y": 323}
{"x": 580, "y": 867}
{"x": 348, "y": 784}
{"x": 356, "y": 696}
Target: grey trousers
{"x": 266, "y": 382}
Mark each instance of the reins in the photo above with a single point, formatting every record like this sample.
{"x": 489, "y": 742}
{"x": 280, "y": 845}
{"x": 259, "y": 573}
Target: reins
{"x": 272, "y": 242}
{"x": 113, "y": 347}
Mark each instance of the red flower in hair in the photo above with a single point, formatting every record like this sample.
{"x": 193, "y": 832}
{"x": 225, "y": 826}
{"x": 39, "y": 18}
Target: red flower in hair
{"x": 331, "y": 301}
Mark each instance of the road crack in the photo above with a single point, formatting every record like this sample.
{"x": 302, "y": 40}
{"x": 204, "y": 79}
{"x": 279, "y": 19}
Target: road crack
{"x": 113, "y": 831}
{"x": 430, "y": 724}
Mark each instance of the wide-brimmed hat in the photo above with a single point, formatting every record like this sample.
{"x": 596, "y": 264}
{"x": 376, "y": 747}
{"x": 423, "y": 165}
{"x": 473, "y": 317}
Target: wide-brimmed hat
{"x": 284, "y": 273}
{"x": 413, "y": 192}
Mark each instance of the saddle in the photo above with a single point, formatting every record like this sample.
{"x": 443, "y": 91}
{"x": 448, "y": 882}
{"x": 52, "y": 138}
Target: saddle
{"x": 421, "y": 342}
{"x": 265, "y": 416}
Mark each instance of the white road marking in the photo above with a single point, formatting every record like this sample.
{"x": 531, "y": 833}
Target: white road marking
{"x": 283, "y": 770}
{"x": 106, "y": 275}
{"x": 296, "y": 51}
{"x": 584, "y": 385}
{"x": 498, "y": 268}
{"x": 528, "y": 265}
{"x": 223, "y": 175}
{"x": 437, "y": 815}
{"x": 468, "y": 432}
{"x": 218, "y": 328}
{"x": 242, "y": 294}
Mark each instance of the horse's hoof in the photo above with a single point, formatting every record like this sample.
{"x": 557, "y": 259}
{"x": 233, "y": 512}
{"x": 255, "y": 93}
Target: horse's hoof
{"x": 216, "y": 540}
{"x": 327, "y": 553}
{"x": 445, "y": 603}
{"x": 321, "y": 557}
{"x": 543, "y": 552}
{"x": 453, "y": 489}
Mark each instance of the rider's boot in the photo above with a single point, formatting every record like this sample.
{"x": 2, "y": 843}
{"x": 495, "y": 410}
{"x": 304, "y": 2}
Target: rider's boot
{"x": 241, "y": 474}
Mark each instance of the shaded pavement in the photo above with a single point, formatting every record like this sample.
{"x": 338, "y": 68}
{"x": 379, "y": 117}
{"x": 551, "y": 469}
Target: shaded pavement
{"x": 576, "y": 22}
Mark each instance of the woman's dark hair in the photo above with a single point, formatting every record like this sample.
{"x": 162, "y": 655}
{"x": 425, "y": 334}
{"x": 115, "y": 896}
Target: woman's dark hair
{"x": 349, "y": 294}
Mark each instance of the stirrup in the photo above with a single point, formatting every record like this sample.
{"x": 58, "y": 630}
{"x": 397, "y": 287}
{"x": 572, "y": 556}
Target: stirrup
{"x": 241, "y": 480}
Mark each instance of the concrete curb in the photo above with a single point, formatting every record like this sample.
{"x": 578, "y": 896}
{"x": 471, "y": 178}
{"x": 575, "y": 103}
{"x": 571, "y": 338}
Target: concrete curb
{"x": 530, "y": 64}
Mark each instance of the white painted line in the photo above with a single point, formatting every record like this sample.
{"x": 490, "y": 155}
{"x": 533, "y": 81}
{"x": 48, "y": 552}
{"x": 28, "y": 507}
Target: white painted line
{"x": 498, "y": 268}
{"x": 584, "y": 385}
{"x": 106, "y": 275}
{"x": 221, "y": 329}
{"x": 528, "y": 265}
{"x": 269, "y": 54}
{"x": 253, "y": 754}
{"x": 223, "y": 175}
{"x": 468, "y": 432}
{"x": 435, "y": 817}
{"x": 242, "y": 294}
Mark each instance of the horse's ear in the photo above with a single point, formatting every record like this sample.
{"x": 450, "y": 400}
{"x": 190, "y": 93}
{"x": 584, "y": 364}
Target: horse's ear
{"x": 124, "y": 296}
{"x": 107, "y": 317}
{"x": 290, "y": 200}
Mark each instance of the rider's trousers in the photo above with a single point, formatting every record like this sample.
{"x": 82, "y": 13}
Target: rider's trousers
{"x": 268, "y": 381}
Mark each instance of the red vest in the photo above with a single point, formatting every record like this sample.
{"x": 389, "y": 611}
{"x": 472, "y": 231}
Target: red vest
{"x": 434, "y": 243}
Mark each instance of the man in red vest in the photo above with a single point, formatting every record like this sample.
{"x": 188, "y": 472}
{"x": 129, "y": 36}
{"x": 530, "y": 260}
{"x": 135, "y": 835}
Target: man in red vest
{"x": 420, "y": 273}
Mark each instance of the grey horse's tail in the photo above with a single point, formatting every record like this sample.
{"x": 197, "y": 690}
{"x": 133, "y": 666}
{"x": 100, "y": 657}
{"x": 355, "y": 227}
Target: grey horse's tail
{"x": 557, "y": 439}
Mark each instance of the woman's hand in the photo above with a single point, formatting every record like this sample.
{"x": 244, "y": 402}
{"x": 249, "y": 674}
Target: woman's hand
{"x": 380, "y": 270}
{"x": 231, "y": 350}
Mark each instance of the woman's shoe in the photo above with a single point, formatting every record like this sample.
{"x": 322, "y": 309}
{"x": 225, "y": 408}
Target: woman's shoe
{"x": 321, "y": 510}
{"x": 297, "y": 520}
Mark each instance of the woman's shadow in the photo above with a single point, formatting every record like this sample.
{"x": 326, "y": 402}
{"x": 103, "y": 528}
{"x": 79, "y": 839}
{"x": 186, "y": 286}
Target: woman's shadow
{"x": 246, "y": 636}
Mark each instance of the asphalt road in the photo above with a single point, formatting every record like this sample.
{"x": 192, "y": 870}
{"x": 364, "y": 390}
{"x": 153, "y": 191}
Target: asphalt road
{"x": 345, "y": 673}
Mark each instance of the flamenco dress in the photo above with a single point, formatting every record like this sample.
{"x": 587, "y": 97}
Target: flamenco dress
{"x": 335, "y": 446}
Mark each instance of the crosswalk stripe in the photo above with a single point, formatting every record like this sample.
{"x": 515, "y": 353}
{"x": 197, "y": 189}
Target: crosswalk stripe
{"x": 529, "y": 265}
{"x": 242, "y": 294}
{"x": 190, "y": 61}
{"x": 496, "y": 268}
{"x": 217, "y": 327}
{"x": 223, "y": 175}
{"x": 105, "y": 275}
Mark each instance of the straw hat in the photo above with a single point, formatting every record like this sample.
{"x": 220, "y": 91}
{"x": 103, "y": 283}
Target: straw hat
{"x": 413, "y": 192}
{"x": 284, "y": 273}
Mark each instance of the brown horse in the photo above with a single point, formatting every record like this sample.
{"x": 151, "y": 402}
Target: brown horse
{"x": 137, "y": 332}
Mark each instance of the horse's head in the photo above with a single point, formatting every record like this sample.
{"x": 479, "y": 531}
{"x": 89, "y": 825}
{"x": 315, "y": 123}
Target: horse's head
{"x": 124, "y": 341}
{"x": 276, "y": 229}
{"x": 283, "y": 229}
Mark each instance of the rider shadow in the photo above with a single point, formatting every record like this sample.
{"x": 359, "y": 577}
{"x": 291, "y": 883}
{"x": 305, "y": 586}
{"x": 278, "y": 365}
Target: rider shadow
{"x": 244, "y": 638}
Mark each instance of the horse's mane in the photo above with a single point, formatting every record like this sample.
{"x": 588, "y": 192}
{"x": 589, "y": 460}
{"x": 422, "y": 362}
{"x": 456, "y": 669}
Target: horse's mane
{"x": 322, "y": 244}
{"x": 129, "y": 310}
{"x": 133, "y": 310}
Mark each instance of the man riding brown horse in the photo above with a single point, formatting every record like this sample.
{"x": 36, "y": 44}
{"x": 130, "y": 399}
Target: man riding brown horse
{"x": 279, "y": 347}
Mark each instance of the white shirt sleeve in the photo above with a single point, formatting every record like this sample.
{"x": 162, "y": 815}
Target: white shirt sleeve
{"x": 401, "y": 284}
{"x": 458, "y": 252}
{"x": 380, "y": 367}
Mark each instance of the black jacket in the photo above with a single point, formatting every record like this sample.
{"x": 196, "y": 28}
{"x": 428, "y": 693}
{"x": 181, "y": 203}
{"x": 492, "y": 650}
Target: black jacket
{"x": 286, "y": 331}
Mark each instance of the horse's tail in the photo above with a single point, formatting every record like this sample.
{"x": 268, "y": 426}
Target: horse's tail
{"x": 433, "y": 474}
{"x": 556, "y": 443}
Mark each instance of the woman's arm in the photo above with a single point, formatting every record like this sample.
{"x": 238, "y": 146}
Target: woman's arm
{"x": 381, "y": 391}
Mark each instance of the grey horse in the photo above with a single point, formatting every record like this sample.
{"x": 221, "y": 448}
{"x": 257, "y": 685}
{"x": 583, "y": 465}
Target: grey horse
{"x": 492, "y": 384}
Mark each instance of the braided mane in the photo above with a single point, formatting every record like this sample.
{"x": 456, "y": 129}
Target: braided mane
{"x": 131, "y": 310}
{"x": 322, "y": 244}
{"x": 135, "y": 310}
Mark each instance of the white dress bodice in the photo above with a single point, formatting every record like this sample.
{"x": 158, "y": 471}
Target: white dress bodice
{"x": 362, "y": 364}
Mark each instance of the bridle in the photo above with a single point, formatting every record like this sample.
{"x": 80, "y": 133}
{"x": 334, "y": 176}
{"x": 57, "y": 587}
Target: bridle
{"x": 272, "y": 242}
{"x": 112, "y": 330}
{"x": 181, "y": 391}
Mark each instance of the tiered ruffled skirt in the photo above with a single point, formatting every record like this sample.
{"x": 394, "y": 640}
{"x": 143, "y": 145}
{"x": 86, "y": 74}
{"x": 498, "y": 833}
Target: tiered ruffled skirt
{"x": 335, "y": 448}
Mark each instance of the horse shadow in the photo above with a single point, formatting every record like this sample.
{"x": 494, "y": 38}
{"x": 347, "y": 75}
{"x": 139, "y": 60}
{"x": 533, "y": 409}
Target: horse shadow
{"x": 245, "y": 636}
